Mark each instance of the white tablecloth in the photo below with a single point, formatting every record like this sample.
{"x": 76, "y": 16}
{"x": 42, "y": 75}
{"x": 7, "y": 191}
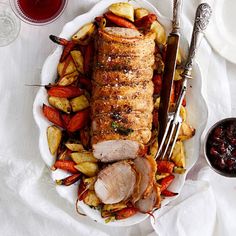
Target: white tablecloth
{"x": 29, "y": 204}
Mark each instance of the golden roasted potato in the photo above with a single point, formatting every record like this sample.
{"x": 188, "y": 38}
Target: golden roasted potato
{"x": 62, "y": 104}
{"x": 179, "y": 58}
{"x": 70, "y": 68}
{"x": 89, "y": 182}
{"x": 178, "y": 155}
{"x": 54, "y": 136}
{"x": 140, "y": 12}
{"x": 154, "y": 148}
{"x": 91, "y": 199}
{"x": 183, "y": 113}
{"x": 78, "y": 60}
{"x": 186, "y": 132}
{"x": 75, "y": 147}
{"x": 179, "y": 170}
{"x": 83, "y": 156}
{"x": 68, "y": 79}
{"x": 157, "y": 103}
{"x": 88, "y": 168}
{"x": 123, "y": 9}
{"x": 84, "y": 35}
{"x": 160, "y": 32}
{"x": 178, "y": 73}
{"x": 161, "y": 176}
{"x": 79, "y": 103}
{"x": 114, "y": 207}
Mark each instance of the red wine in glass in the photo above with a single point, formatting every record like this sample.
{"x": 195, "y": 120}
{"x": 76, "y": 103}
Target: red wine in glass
{"x": 39, "y": 11}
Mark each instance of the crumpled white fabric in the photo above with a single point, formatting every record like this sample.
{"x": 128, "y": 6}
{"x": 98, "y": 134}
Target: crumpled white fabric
{"x": 29, "y": 204}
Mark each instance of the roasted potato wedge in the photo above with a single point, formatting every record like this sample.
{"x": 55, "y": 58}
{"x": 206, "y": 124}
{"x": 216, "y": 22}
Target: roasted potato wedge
{"x": 179, "y": 58}
{"x": 78, "y": 60}
{"x": 183, "y": 113}
{"x": 160, "y": 32}
{"x": 178, "y": 155}
{"x": 62, "y": 104}
{"x": 84, "y": 156}
{"x": 75, "y": 147}
{"x": 186, "y": 132}
{"x": 79, "y": 103}
{"x": 84, "y": 35}
{"x": 161, "y": 176}
{"x": 89, "y": 182}
{"x": 54, "y": 136}
{"x": 140, "y": 12}
{"x": 154, "y": 148}
{"x": 123, "y": 9}
{"x": 68, "y": 79}
{"x": 157, "y": 103}
{"x": 66, "y": 67}
{"x": 91, "y": 199}
{"x": 178, "y": 73}
{"x": 179, "y": 170}
{"x": 88, "y": 168}
{"x": 114, "y": 207}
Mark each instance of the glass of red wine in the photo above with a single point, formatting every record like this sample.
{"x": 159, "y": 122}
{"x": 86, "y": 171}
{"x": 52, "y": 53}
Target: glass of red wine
{"x": 38, "y": 12}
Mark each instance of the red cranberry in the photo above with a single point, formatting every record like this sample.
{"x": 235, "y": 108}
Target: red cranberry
{"x": 214, "y": 152}
{"x": 220, "y": 163}
{"x": 218, "y": 132}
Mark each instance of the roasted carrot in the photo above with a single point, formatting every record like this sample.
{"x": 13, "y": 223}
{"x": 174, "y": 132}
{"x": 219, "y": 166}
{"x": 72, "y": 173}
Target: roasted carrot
{"x": 168, "y": 193}
{"x": 66, "y": 51}
{"x": 82, "y": 191}
{"x": 145, "y": 21}
{"x": 69, "y": 180}
{"x": 125, "y": 213}
{"x": 143, "y": 151}
{"x": 119, "y": 20}
{"x": 65, "y": 119}
{"x": 155, "y": 118}
{"x": 165, "y": 183}
{"x": 88, "y": 55}
{"x": 78, "y": 121}
{"x": 85, "y": 82}
{"x": 65, "y": 92}
{"x": 66, "y": 165}
{"x": 53, "y": 115}
{"x": 172, "y": 94}
{"x": 165, "y": 166}
{"x": 157, "y": 81}
{"x": 59, "y": 40}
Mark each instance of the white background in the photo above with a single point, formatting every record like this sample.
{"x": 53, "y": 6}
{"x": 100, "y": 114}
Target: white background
{"x": 29, "y": 204}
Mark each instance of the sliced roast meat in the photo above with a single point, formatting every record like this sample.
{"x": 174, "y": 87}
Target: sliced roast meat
{"x": 121, "y": 91}
{"x": 133, "y": 120}
{"x": 115, "y": 183}
{"x": 152, "y": 201}
{"x": 146, "y": 166}
{"x": 142, "y": 136}
{"x": 114, "y": 106}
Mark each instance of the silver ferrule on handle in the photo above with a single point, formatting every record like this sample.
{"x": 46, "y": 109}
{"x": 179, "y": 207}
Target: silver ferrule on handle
{"x": 202, "y": 18}
{"x": 176, "y": 16}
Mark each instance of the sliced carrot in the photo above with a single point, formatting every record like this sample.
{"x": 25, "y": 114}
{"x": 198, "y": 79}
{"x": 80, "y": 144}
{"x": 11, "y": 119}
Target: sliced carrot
{"x": 145, "y": 21}
{"x": 65, "y": 119}
{"x": 59, "y": 40}
{"x": 120, "y": 21}
{"x": 165, "y": 166}
{"x": 66, "y": 165}
{"x": 69, "y": 180}
{"x": 143, "y": 151}
{"x": 168, "y": 193}
{"x": 82, "y": 192}
{"x": 78, "y": 121}
{"x": 65, "y": 92}
{"x": 66, "y": 51}
{"x": 88, "y": 55}
{"x": 125, "y": 213}
{"x": 157, "y": 81}
{"x": 53, "y": 115}
{"x": 86, "y": 83}
{"x": 172, "y": 93}
{"x": 165, "y": 183}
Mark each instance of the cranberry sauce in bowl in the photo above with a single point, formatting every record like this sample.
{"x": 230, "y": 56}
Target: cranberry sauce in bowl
{"x": 220, "y": 147}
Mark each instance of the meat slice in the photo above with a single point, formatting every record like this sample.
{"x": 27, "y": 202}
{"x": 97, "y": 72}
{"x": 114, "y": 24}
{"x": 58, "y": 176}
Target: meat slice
{"x": 146, "y": 166}
{"x": 133, "y": 120}
{"x": 114, "y": 106}
{"x": 152, "y": 201}
{"x": 122, "y": 77}
{"x": 121, "y": 91}
{"x": 142, "y": 136}
{"x": 115, "y": 183}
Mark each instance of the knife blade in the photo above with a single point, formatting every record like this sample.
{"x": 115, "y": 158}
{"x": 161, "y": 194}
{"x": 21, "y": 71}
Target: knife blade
{"x": 169, "y": 70}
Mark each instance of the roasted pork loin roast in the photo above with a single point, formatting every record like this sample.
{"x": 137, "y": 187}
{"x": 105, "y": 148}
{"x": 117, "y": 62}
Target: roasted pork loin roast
{"x": 122, "y": 97}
